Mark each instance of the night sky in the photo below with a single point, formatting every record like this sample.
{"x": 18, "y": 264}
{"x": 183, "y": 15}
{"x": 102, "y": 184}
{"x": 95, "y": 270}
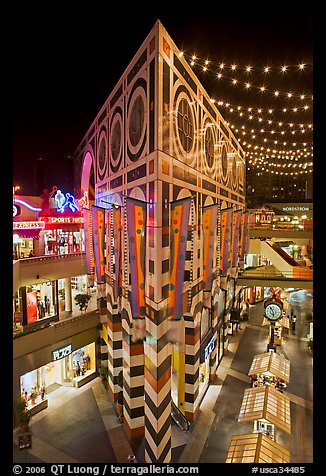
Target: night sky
{"x": 65, "y": 65}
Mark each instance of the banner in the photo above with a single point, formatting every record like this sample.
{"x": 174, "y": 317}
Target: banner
{"x": 98, "y": 237}
{"x": 88, "y": 241}
{"x": 250, "y": 225}
{"x": 236, "y": 219}
{"x": 243, "y": 235}
{"x": 180, "y": 211}
{"x": 225, "y": 238}
{"x": 209, "y": 227}
{"x": 31, "y": 304}
{"x": 136, "y": 230}
{"x": 116, "y": 222}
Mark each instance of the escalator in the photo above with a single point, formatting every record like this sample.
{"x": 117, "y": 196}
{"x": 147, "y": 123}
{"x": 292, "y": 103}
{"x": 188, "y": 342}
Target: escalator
{"x": 179, "y": 418}
{"x": 283, "y": 262}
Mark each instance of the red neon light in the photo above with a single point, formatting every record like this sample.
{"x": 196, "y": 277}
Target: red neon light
{"x": 28, "y": 225}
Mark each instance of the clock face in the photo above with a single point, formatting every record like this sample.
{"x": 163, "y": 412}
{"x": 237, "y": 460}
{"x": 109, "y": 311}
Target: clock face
{"x": 273, "y": 312}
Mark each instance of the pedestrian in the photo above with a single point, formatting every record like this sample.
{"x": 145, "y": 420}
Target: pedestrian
{"x": 42, "y": 391}
{"x": 294, "y": 319}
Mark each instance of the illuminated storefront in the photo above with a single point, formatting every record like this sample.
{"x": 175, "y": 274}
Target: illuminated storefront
{"x": 46, "y": 226}
{"x": 67, "y": 368}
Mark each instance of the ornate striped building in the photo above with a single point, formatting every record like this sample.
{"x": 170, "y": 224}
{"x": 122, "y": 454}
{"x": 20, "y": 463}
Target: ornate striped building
{"x": 159, "y": 140}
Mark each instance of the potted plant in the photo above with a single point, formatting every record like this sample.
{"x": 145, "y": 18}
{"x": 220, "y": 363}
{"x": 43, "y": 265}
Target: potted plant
{"x": 82, "y": 301}
{"x": 23, "y": 414}
{"x": 62, "y": 298}
{"x": 103, "y": 371}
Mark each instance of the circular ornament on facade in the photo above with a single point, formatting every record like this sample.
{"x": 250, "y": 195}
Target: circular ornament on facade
{"x": 209, "y": 147}
{"x": 185, "y": 125}
{"x": 102, "y": 156}
{"x": 224, "y": 163}
{"x": 116, "y": 140}
{"x": 136, "y": 124}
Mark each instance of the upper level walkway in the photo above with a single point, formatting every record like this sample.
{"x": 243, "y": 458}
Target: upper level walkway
{"x": 47, "y": 268}
{"x": 269, "y": 275}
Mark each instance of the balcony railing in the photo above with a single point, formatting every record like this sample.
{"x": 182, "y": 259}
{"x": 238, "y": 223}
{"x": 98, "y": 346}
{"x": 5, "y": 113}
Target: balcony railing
{"x": 37, "y": 259}
{"x": 55, "y": 323}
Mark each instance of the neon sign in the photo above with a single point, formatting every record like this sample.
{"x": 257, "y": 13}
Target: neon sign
{"x": 35, "y": 209}
{"x": 28, "y": 225}
{"x": 84, "y": 201}
{"x": 65, "y": 220}
{"x": 66, "y": 201}
{"x": 16, "y": 210}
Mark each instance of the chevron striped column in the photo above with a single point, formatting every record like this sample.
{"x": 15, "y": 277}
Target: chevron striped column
{"x": 114, "y": 330}
{"x": 157, "y": 388}
{"x": 101, "y": 305}
{"x": 214, "y": 311}
{"x": 192, "y": 359}
{"x": 133, "y": 380}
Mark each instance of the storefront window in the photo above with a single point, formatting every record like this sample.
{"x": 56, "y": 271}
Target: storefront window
{"x": 79, "y": 285}
{"x": 40, "y": 301}
{"x": 38, "y": 383}
{"x": 205, "y": 322}
{"x": 60, "y": 241}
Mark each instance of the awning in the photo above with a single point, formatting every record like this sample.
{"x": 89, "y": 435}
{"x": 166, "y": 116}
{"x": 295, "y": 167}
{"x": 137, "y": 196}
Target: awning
{"x": 267, "y": 404}
{"x": 271, "y": 364}
{"x": 256, "y": 448}
{"x": 28, "y": 233}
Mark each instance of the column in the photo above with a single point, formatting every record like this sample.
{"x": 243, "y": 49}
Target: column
{"x": 157, "y": 389}
{"x": 68, "y": 295}
{"x": 133, "y": 381}
{"x": 114, "y": 346}
{"x": 192, "y": 358}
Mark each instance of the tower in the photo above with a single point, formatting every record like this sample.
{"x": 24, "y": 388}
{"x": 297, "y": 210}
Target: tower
{"x": 160, "y": 141}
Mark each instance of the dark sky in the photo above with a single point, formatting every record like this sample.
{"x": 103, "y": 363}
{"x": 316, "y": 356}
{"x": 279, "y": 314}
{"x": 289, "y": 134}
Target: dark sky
{"x": 66, "y": 63}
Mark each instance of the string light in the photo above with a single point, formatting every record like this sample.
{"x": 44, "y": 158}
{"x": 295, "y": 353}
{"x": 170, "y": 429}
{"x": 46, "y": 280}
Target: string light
{"x": 278, "y": 144}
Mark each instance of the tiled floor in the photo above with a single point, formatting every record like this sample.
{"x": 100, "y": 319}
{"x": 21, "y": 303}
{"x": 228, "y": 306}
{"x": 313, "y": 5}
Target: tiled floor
{"x": 81, "y": 425}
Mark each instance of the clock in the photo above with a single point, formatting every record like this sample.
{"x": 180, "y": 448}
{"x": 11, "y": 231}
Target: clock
{"x": 273, "y": 311}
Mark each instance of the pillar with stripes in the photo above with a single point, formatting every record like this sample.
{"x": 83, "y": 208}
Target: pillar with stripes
{"x": 133, "y": 381}
{"x": 157, "y": 389}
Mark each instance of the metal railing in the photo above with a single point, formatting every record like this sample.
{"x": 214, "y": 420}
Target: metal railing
{"x": 268, "y": 273}
{"x": 37, "y": 259}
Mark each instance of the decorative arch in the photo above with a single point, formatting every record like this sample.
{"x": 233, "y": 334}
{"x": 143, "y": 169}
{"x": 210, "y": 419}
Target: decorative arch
{"x": 88, "y": 163}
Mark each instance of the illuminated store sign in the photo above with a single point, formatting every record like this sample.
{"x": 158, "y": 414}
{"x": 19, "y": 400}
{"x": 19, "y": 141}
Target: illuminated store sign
{"x": 209, "y": 347}
{"x": 16, "y": 210}
{"x": 64, "y": 220}
{"x": 61, "y": 353}
{"x": 65, "y": 201}
{"x": 296, "y": 209}
{"x": 29, "y": 225}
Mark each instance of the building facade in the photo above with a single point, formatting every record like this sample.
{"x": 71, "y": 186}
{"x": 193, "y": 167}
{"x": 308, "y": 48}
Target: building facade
{"x": 159, "y": 150}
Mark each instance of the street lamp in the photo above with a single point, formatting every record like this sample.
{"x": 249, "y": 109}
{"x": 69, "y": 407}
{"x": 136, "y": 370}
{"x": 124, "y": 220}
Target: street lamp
{"x": 15, "y": 188}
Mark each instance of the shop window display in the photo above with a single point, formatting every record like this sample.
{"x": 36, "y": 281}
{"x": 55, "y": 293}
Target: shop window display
{"x": 40, "y": 302}
{"x": 36, "y": 385}
{"x": 79, "y": 285}
{"x": 63, "y": 242}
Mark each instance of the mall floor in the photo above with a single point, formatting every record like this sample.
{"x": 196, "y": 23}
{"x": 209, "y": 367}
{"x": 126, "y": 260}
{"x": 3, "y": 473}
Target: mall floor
{"x": 81, "y": 425}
